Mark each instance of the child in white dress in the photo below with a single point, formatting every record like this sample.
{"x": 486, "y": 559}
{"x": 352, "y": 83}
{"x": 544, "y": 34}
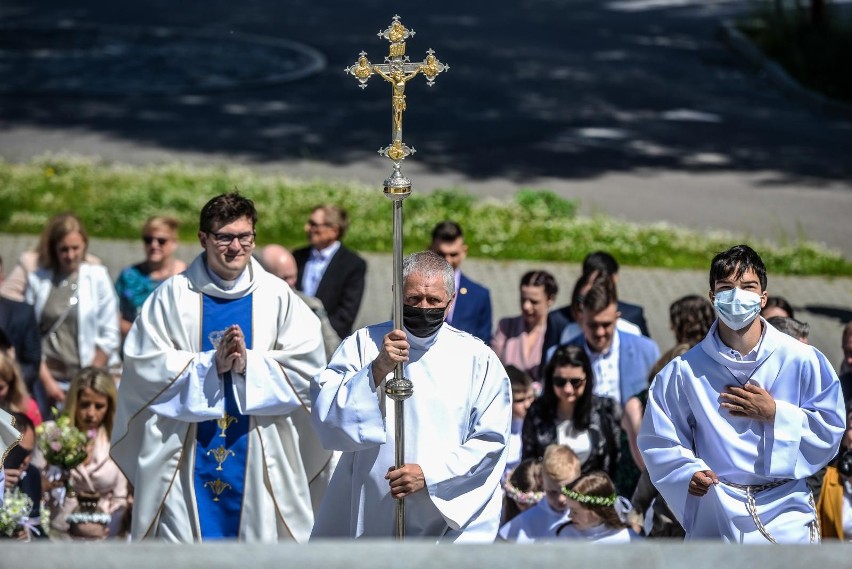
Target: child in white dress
{"x": 597, "y": 513}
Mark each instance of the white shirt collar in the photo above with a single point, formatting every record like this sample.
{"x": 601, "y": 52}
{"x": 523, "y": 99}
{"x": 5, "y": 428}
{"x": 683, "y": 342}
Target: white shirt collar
{"x": 241, "y": 281}
{"x": 731, "y": 354}
{"x": 327, "y": 253}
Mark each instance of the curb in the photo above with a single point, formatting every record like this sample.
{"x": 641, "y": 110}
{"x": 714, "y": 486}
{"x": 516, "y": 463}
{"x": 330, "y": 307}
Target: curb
{"x": 775, "y": 74}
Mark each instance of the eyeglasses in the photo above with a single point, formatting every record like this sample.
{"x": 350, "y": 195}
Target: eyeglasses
{"x": 575, "y": 382}
{"x": 225, "y": 239}
{"x": 148, "y": 239}
{"x": 313, "y": 224}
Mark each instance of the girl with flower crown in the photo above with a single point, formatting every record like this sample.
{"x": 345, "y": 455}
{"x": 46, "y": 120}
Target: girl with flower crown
{"x": 597, "y": 513}
{"x": 91, "y": 406}
{"x": 524, "y": 489}
{"x": 559, "y": 467}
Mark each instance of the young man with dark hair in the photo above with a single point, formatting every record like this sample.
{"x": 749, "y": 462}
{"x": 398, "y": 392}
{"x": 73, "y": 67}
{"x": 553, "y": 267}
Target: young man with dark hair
{"x": 216, "y": 368}
{"x": 471, "y": 311}
{"x": 734, "y": 426}
{"x": 620, "y": 361}
{"x": 561, "y": 322}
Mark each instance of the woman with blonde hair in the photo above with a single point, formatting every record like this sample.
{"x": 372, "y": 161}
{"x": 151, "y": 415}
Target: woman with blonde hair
{"x": 14, "y": 396}
{"x": 91, "y": 404}
{"x": 75, "y": 305}
{"x": 137, "y": 282}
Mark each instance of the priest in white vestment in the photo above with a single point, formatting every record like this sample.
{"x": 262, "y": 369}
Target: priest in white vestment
{"x": 9, "y": 437}
{"x": 216, "y": 366}
{"x": 734, "y": 426}
{"x": 457, "y": 423}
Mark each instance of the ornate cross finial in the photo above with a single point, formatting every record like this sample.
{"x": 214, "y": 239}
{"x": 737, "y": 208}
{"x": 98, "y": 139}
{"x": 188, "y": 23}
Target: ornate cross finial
{"x": 397, "y": 70}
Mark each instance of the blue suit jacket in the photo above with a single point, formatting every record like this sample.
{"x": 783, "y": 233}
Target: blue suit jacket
{"x": 636, "y": 355}
{"x": 473, "y": 309}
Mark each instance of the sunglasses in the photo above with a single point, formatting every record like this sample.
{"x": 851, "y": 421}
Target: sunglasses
{"x": 575, "y": 382}
{"x": 148, "y": 239}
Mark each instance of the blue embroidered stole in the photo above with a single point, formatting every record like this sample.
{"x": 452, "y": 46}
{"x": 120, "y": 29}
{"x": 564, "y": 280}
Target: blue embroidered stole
{"x": 221, "y": 446}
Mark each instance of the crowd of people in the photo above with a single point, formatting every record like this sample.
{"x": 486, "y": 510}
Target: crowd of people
{"x": 231, "y": 398}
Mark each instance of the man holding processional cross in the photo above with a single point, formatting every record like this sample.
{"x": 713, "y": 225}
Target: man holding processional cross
{"x": 455, "y": 395}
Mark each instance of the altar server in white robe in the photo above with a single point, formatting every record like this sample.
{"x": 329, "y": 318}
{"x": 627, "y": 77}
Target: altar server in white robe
{"x": 457, "y": 422}
{"x": 9, "y": 437}
{"x": 734, "y": 426}
{"x": 216, "y": 366}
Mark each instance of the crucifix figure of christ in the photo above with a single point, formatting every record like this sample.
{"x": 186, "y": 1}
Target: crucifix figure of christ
{"x": 397, "y": 81}
{"x": 397, "y": 70}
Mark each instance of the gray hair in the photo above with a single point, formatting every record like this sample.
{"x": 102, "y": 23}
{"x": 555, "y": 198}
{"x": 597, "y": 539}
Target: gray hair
{"x": 429, "y": 265}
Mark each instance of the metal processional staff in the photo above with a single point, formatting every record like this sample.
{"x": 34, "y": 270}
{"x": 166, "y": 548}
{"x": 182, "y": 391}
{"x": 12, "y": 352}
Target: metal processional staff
{"x": 397, "y": 70}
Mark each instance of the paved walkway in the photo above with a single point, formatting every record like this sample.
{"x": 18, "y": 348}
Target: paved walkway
{"x": 824, "y": 303}
{"x": 632, "y": 106}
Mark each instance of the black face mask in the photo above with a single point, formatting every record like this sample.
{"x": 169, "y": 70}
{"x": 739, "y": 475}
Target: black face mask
{"x": 422, "y": 322}
{"x": 15, "y": 458}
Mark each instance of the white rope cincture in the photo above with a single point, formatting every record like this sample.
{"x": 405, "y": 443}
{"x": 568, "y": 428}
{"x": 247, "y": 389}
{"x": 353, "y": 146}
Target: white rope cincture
{"x": 751, "y": 508}
{"x": 816, "y": 532}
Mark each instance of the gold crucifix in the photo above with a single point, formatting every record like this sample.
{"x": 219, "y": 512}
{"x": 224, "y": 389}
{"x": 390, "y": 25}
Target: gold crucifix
{"x": 397, "y": 70}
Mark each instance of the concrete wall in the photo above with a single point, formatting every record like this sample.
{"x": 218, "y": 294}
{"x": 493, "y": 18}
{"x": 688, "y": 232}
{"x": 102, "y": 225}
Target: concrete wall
{"x": 411, "y": 555}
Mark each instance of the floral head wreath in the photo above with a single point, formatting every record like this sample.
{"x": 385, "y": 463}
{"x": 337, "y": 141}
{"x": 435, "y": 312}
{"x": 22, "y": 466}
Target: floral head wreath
{"x": 521, "y": 497}
{"x": 588, "y": 499}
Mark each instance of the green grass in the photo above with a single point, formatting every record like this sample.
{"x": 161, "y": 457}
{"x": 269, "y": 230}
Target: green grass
{"x": 818, "y": 56}
{"x": 114, "y": 200}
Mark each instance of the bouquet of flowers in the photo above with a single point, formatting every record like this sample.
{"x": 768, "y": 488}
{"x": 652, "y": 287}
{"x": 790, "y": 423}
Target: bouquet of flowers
{"x": 62, "y": 444}
{"x": 14, "y": 515}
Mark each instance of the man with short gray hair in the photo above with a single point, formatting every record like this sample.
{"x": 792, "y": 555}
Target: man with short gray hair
{"x": 458, "y": 422}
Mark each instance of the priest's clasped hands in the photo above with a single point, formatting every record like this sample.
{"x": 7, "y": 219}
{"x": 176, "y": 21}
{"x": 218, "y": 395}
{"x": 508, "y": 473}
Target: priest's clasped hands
{"x": 231, "y": 351}
{"x": 749, "y": 401}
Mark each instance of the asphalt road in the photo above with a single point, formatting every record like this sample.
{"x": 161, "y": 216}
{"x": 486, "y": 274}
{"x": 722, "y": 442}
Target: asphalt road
{"x": 632, "y": 106}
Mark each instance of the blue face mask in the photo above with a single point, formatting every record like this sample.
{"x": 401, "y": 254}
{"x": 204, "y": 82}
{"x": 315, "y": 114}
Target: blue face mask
{"x": 736, "y": 307}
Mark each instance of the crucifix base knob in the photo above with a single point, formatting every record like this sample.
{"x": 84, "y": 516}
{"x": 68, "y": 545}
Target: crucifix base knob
{"x": 397, "y": 186}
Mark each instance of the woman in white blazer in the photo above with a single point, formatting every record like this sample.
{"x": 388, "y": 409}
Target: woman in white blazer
{"x": 75, "y": 304}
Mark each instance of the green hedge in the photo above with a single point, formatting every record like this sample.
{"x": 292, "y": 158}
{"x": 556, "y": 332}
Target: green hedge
{"x": 114, "y": 200}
